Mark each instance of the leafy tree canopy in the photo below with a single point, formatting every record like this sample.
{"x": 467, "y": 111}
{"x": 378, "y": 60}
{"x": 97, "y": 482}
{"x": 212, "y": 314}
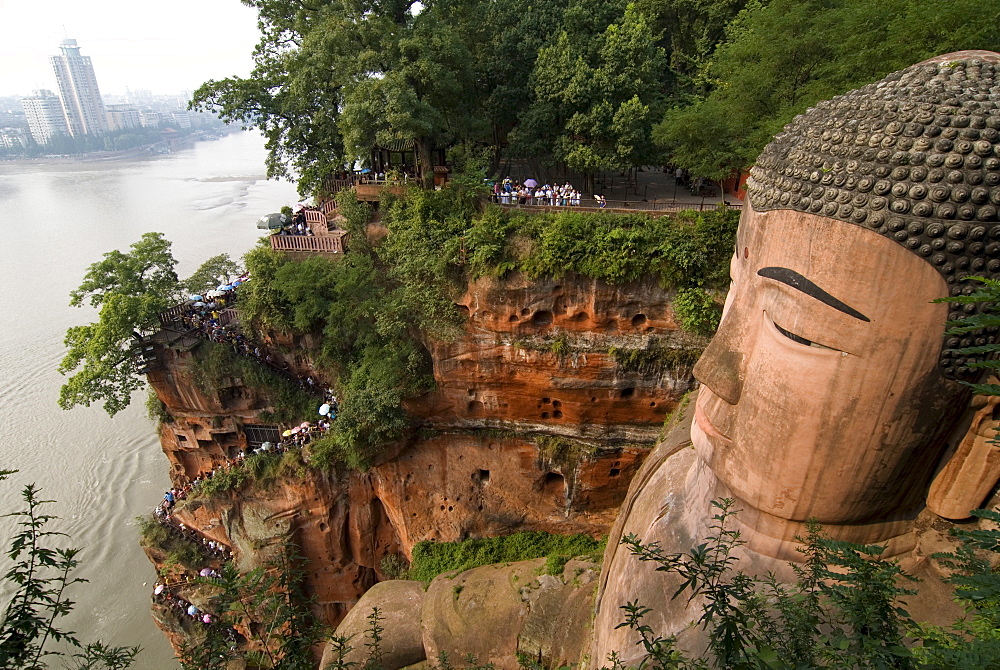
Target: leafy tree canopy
{"x": 129, "y": 290}
{"x": 215, "y": 271}
{"x": 782, "y": 56}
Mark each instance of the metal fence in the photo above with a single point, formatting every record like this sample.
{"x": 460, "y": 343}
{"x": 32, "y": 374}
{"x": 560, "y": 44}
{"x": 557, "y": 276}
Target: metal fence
{"x": 259, "y": 434}
{"x": 622, "y": 206}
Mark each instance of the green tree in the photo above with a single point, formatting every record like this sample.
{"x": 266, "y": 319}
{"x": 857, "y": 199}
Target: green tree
{"x": 333, "y": 78}
{"x": 596, "y": 91}
{"x": 782, "y": 56}
{"x": 129, "y": 290}
{"x": 690, "y": 31}
{"x": 212, "y": 273}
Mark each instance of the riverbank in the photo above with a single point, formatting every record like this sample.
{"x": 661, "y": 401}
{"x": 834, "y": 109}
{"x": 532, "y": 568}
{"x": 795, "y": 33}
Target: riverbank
{"x": 152, "y": 150}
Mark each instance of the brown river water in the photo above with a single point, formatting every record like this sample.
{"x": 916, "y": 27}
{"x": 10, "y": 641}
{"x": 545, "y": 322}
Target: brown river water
{"x": 103, "y": 472}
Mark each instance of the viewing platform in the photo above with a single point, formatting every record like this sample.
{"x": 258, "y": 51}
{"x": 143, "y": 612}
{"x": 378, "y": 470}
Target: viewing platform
{"x": 326, "y": 236}
{"x": 367, "y": 189}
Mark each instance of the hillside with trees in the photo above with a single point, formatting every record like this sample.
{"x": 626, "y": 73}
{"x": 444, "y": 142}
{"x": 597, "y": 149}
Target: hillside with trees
{"x": 588, "y": 86}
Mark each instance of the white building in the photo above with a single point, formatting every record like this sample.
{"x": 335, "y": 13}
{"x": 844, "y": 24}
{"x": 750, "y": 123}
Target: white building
{"x": 44, "y": 113}
{"x": 11, "y": 138}
{"x": 82, "y": 103}
{"x": 123, "y": 116}
{"x": 182, "y": 119}
{"x": 150, "y": 118}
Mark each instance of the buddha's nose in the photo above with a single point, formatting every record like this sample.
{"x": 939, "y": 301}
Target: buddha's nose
{"x": 720, "y": 367}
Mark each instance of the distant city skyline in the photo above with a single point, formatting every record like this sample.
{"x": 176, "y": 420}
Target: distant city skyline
{"x": 166, "y": 49}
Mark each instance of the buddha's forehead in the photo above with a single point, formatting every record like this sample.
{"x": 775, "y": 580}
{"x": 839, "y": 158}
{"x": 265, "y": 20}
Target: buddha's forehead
{"x": 827, "y": 253}
{"x": 914, "y": 158}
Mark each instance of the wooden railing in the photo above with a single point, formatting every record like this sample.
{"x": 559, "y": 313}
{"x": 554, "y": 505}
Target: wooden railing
{"x": 333, "y": 244}
{"x": 316, "y": 220}
{"x": 228, "y": 316}
{"x": 334, "y": 186}
{"x": 171, "y": 315}
{"x": 315, "y": 216}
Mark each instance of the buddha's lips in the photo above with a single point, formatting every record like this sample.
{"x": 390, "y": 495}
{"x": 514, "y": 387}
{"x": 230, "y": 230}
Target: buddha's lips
{"x": 708, "y": 427}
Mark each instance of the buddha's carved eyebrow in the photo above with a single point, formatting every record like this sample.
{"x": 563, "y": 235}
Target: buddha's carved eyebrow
{"x": 797, "y": 281}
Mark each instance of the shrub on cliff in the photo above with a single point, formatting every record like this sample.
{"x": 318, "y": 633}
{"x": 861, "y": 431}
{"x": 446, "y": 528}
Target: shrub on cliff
{"x": 216, "y": 365}
{"x": 430, "y": 559}
{"x": 369, "y": 346}
{"x": 696, "y": 311}
{"x": 844, "y": 611}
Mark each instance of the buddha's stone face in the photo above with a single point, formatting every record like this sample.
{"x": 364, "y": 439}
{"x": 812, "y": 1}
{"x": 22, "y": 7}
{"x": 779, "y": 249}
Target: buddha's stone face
{"x": 821, "y": 393}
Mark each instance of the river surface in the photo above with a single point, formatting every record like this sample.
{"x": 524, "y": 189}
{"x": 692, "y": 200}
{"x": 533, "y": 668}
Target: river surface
{"x": 101, "y": 471}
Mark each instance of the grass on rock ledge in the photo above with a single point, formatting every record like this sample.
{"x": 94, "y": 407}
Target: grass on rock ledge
{"x": 431, "y": 559}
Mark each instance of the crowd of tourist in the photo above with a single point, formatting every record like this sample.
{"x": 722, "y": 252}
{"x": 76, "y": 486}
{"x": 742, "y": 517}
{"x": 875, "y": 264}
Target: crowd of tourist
{"x": 162, "y": 513}
{"x": 163, "y": 595}
{"x": 529, "y": 192}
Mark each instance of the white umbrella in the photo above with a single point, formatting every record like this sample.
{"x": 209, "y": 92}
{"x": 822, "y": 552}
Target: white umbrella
{"x": 324, "y": 409}
{"x": 215, "y": 294}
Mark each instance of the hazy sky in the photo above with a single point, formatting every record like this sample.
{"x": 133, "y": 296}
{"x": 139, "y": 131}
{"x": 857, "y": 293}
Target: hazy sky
{"x": 165, "y": 47}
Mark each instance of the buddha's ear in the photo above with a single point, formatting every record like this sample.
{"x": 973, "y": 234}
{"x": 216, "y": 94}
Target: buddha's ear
{"x": 970, "y": 469}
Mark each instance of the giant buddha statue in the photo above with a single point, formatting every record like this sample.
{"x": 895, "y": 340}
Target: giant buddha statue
{"x": 831, "y": 390}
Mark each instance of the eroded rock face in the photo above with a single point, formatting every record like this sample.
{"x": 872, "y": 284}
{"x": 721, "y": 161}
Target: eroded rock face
{"x": 447, "y": 488}
{"x": 538, "y": 355}
{"x": 534, "y": 426}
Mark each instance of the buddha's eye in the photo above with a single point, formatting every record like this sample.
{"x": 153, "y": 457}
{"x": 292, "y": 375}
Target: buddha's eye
{"x": 793, "y": 336}
{"x": 801, "y": 340}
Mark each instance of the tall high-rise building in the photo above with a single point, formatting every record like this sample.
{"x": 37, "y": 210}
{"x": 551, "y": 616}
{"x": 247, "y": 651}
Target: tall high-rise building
{"x": 44, "y": 113}
{"x": 81, "y": 99}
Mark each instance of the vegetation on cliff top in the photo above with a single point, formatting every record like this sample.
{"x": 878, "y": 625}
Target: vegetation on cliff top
{"x": 438, "y": 241}
{"x": 431, "y": 559}
{"x": 588, "y": 84}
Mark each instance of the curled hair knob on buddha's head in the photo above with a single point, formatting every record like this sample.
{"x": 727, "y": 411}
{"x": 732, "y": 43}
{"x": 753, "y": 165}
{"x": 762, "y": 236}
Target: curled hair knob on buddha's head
{"x": 914, "y": 157}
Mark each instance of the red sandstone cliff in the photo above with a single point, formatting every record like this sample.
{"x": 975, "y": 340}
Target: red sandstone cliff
{"x": 534, "y": 361}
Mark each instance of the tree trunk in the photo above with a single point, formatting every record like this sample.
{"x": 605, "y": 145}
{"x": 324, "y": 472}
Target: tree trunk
{"x": 423, "y": 148}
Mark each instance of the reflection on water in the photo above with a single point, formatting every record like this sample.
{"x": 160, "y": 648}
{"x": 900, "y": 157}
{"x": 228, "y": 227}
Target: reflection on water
{"x": 102, "y": 471}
